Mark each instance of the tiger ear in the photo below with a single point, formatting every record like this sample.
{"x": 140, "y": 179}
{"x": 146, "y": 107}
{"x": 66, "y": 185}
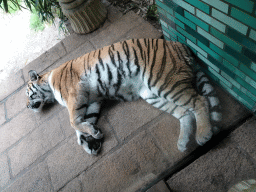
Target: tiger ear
{"x": 33, "y": 75}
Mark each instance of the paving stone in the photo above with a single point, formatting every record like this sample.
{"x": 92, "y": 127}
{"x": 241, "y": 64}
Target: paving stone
{"x": 113, "y": 33}
{"x": 128, "y": 169}
{"x": 70, "y": 159}
{"x": 37, "y": 143}
{"x": 127, "y": 117}
{"x": 17, "y": 128}
{"x": 48, "y": 111}
{"x": 166, "y": 132}
{"x": 245, "y": 136}
{"x": 75, "y": 186}
{"x": 80, "y": 51}
{"x": 2, "y": 114}
{"x": 4, "y": 171}
{"x": 217, "y": 170}
{"x": 65, "y": 123}
{"x": 12, "y": 83}
{"x": 159, "y": 187}
{"x": 145, "y": 30}
{"x": 232, "y": 111}
{"x": 45, "y": 60}
{"x": 113, "y": 14}
{"x": 16, "y": 103}
{"x": 37, "y": 179}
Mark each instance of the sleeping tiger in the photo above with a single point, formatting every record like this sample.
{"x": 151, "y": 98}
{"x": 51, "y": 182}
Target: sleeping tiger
{"x": 158, "y": 71}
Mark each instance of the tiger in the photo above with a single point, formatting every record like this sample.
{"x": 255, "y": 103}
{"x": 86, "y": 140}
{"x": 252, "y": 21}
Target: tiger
{"x": 159, "y": 71}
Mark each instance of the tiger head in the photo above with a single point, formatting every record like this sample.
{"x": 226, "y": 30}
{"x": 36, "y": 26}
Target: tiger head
{"x": 38, "y": 91}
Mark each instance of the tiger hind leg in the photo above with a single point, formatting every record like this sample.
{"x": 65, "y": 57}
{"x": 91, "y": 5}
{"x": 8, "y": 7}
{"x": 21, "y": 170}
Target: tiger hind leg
{"x": 185, "y": 117}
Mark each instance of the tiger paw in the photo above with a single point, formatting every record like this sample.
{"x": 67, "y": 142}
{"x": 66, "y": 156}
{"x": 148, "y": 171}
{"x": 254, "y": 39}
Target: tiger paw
{"x": 181, "y": 147}
{"x": 91, "y": 145}
{"x": 202, "y": 138}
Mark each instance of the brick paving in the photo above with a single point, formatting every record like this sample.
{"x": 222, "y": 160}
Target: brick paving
{"x": 39, "y": 151}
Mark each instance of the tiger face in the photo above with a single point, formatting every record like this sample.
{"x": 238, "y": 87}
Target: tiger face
{"x": 38, "y": 92}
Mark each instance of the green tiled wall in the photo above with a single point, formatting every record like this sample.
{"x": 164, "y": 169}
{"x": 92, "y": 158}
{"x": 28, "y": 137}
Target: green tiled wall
{"x": 222, "y": 33}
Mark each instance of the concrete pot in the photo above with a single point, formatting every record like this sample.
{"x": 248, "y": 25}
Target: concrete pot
{"x": 85, "y": 16}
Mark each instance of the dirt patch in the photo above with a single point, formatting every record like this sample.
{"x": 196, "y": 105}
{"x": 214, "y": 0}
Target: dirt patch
{"x": 140, "y": 7}
{"x": 21, "y": 45}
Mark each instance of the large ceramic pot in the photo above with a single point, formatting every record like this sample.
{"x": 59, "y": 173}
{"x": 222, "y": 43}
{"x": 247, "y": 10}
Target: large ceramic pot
{"x": 84, "y": 15}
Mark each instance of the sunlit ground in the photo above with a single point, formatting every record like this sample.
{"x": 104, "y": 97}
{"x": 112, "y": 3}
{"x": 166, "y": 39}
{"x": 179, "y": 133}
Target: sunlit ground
{"x": 20, "y": 45}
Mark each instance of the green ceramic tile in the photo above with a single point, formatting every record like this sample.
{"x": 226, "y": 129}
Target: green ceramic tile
{"x": 245, "y": 85}
{"x": 233, "y": 69}
{"x": 173, "y": 19}
{"x": 210, "y": 37}
{"x": 166, "y": 34}
{"x": 218, "y": 25}
{"x": 165, "y": 7}
{"x": 172, "y": 32}
{"x": 220, "y": 77}
{"x": 209, "y": 51}
{"x": 248, "y": 93}
{"x": 198, "y": 36}
{"x": 163, "y": 23}
{"x": 197, "y": 21}
{"x": 186, "y": 21}
{"x": 253, "y": 34}
{"x": 226, "y": 39}
{"x": 185, "y": 5}
{"x": 197, "y": 48}
{"x": 250, "y": 81}
{"x": 161, "y": 11}
{"x": 239, "y": 56}
{"x": 248, "y": 71}
{"x": 241, "y": 39}
{"x": 218, "y": 5}
{"x": 244, "y": 97}
{"x": 231, "y": 92}
{"x": 183, "y": 32}
{"x": 253, "y": 66}
{"x": 246, "y": 5}
{"x": 230, "y": 79}
{"x": 250, "y": 54}
{"x": 200, "y": 5}
{"x": 243, "y": 17}
{"x": 208, "y": 63}
{"x": 229, "y": 21}
{"x": 224, "y": 54}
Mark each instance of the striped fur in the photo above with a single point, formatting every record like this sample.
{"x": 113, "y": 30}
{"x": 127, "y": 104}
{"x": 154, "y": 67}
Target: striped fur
{"x": 156, "y": 70}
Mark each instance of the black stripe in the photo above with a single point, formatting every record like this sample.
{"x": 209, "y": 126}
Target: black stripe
{"x": 99, "y": 78}
{"x": 82, "y": 106}
{"x": 136, "y": 61}
{"x": 91, "y": 115}
{"x": 127, "y": 53}
{"x": 112, "y": 57}
{"x": 119, "y": 82}
{"x": 178, "y": 83}
{"x": 192, "y": 96}
{"x": 120, "y": 61}
{"x": 155, "y": 102}
{"x": 140, "y": 48}
{"x": 61, "y": 79}
{"x": 110, "y": 76}
{"x": 100, "y": 60}
{"x": 162, "y": 105}
{"x": 181, "y": 91}
{"x": 152, "y": 66}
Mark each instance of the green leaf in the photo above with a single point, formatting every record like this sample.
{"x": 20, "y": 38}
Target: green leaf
{"x": 5, "y": 6}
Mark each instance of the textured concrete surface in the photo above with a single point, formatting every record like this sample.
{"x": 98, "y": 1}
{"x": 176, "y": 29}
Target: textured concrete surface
{"x": 39, "y": 151}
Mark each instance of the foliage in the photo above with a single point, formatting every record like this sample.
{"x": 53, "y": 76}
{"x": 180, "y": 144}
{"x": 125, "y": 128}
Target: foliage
{"x": 35, "y": 23}
{"x": 152, "y": 12}
{"x": 11, "y": 5}
{"x": 47, "y": 10}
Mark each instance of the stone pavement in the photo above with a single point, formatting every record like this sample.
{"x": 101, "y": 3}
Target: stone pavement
{"x": 39, "y": 152}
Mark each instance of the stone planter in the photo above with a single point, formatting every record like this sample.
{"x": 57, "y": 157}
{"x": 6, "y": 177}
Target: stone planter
{"x": 85, "y": 16}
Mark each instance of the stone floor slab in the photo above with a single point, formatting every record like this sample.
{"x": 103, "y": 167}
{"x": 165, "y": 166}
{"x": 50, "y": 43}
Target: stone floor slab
{"x": 70, "y": 159}
{"x": 4, "y": 171}
{"x": 35, "y": 145}
{"x": 16, "y": 103}
{"x": 14, "y": 130}
{"x": 245, "y": 136}
{"x": 127, "y": 169}
{"x": 113, "y": 33}
{"x": 44, "y": 60}
{"x": 217, "y": 170}
{"x": 37, "y": 180}
{"x": 2, "y": 114}
{"x": 73, "y": 186}
{"x": 127, "y": 117}
{"x": 12, "y": 83}
{"x": 159, "y": 187}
